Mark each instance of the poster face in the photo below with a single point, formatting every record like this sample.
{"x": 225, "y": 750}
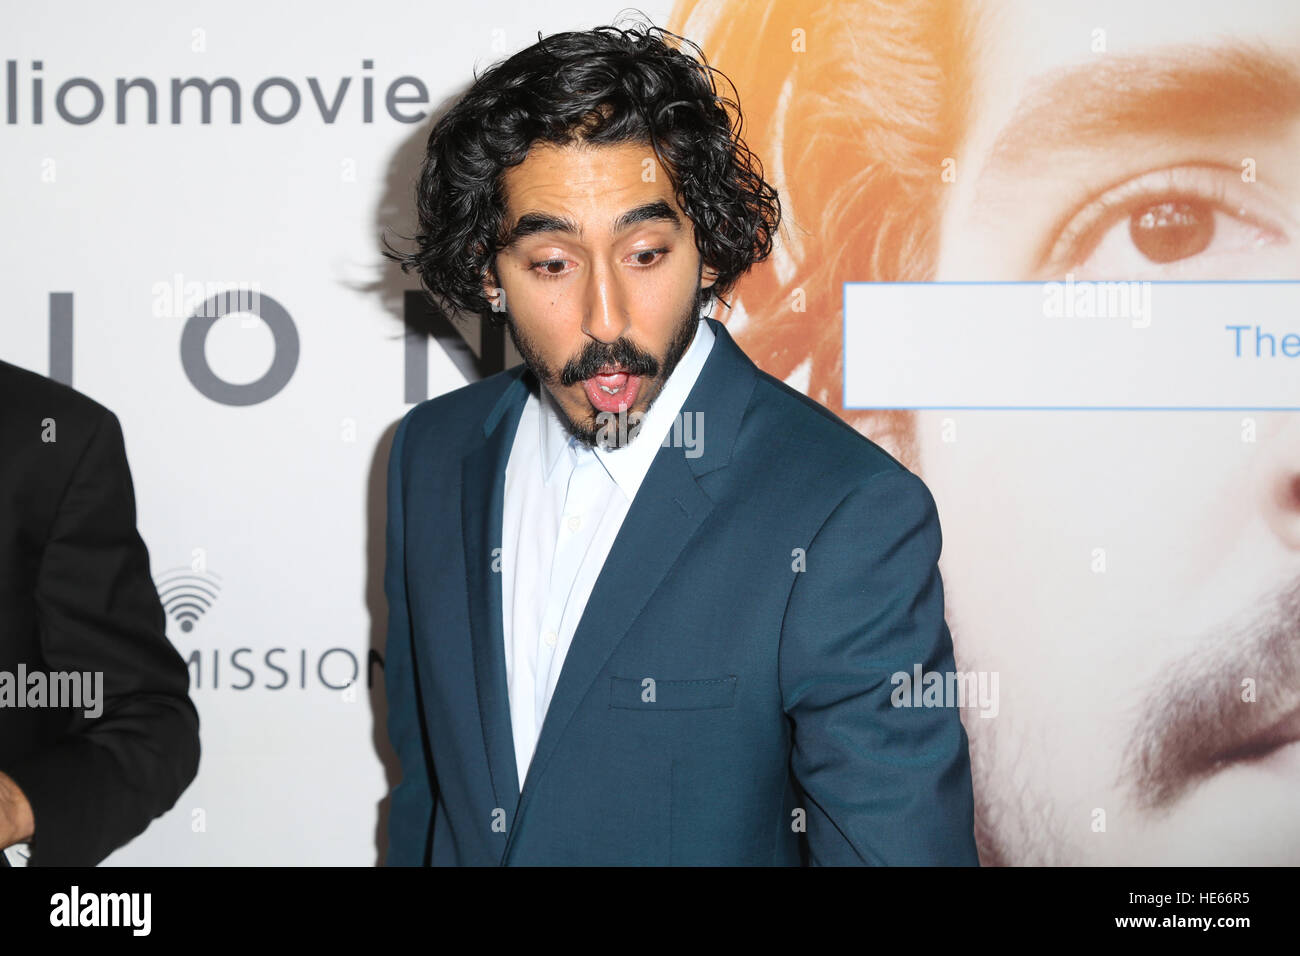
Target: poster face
{"x": 1131, "y": 576}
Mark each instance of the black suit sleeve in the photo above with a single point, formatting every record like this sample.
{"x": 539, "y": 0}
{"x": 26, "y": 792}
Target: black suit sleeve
{"x": 108, "y": 776}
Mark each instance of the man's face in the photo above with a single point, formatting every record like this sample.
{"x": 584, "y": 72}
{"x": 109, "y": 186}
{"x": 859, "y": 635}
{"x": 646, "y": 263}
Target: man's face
{"x": 1123, "y": 736}
{"x": 601, "y": 277}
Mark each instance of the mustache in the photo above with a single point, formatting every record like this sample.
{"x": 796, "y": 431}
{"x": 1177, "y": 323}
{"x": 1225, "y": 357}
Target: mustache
{"x": 1196, "y": 721}
{"x": 597, "y": 355}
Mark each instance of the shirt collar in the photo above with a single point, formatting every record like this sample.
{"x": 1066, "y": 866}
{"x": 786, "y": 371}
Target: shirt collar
{"x": 554, "y": 436}
{"x": 628, "y": 465}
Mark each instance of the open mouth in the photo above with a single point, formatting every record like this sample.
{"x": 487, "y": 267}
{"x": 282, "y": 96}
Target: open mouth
{"x": 612, "y": 389}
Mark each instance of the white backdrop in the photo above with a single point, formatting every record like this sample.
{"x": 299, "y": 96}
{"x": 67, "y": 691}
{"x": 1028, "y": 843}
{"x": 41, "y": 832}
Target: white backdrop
{"x": 275, "y": 507}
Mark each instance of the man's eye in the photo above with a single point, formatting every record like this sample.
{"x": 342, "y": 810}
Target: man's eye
{"x": 658, "y": 253}
{"x": 1187, "y": 222}
{"x": 550, "y": 268}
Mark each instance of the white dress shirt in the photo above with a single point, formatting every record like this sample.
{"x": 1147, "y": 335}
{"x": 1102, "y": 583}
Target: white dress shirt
{"x": 564, "y": 505}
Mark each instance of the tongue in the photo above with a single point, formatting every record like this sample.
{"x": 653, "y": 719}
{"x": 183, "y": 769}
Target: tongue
{"x": 624, "y": 389}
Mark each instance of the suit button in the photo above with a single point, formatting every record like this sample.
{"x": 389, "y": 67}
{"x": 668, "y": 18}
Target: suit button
{"x": 549, "y": 638}
{"x": 575, "y": 522}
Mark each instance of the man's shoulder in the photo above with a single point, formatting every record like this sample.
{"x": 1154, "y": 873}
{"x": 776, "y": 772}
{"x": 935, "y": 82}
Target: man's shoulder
{"x": 814, "y": 462}
{"x": 455, "y": 418}
{"x": 45, "y": 426}
{"x": 812, "y": 437}
{"x": 24, "y": 393}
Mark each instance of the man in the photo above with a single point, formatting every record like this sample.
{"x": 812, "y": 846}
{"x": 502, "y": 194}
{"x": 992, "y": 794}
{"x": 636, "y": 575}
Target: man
{"x": 647, "y": 604}
{"x": 98, "y": 735}
{"x": 997, "y": 140}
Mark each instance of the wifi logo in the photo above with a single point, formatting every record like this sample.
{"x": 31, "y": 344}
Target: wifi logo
{"x": 187, "y": 595}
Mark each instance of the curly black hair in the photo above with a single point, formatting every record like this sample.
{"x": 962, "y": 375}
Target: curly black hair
{"x": 603, "y": 86}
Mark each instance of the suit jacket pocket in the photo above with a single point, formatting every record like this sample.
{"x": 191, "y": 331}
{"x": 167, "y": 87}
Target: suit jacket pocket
{"x": 651, "y": 693}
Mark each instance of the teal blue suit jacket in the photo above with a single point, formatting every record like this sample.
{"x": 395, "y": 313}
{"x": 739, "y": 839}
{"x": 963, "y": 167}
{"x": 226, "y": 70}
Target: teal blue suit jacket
{"x": 727, "y": 695}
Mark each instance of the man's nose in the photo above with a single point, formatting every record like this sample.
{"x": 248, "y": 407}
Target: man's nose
{"x": 1278, "y": 477}
{"x": 605, "y": 315}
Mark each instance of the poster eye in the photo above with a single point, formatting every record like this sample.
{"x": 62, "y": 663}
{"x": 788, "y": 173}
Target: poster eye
{"x": 1171, "y": 230}
{"x": 1180, "y": 221}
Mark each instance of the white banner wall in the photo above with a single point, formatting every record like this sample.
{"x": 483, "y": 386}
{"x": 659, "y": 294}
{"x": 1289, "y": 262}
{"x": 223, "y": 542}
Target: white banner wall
{"x": 267, "y": 516}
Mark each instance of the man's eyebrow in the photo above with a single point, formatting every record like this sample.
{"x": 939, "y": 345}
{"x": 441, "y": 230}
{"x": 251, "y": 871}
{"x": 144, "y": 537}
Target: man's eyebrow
{"x": 1182, "y": 91}
{"x": 531, "y": 223}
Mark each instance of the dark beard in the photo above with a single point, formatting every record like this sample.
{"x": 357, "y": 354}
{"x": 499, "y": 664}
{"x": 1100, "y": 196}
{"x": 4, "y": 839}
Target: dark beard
{"x": 597, "y": 354}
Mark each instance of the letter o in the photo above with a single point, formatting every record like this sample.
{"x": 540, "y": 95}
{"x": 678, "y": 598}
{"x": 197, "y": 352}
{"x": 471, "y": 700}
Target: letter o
{"x": 97, "y": 95}
{"x": 295, "y": 100}
{"x": 320, "y": 667}
{"x": 194, "y": 359}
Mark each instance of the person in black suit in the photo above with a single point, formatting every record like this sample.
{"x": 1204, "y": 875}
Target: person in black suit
{"x": 77, "y": 598}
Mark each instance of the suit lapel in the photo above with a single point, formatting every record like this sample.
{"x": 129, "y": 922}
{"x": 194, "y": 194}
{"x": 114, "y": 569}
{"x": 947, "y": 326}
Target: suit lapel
{"x": 484, "y": 468}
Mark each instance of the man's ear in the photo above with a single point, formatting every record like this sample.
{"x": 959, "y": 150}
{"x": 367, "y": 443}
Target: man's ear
{"x": 708, "y": 277}
{"x": 491, "y": 286}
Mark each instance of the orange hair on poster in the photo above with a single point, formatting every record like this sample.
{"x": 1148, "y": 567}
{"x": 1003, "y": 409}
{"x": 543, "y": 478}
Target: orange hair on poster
{"x": 853, "y": 108}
